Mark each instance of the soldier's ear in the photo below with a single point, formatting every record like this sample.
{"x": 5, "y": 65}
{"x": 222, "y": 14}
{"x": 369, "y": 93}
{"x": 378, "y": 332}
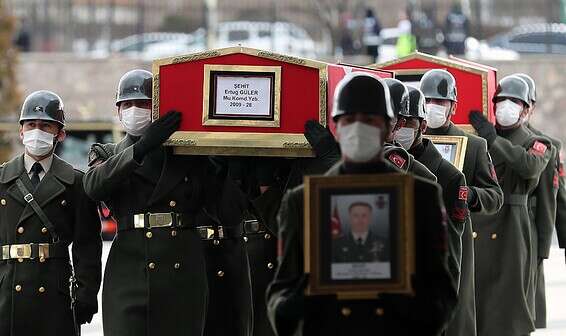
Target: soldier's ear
{"x": 453, "y": 109}
{"x": 423, "y": 126}
{"x": 61, "y": 135}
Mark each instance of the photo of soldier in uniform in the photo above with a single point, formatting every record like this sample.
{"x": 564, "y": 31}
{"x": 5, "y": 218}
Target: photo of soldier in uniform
{"x": 448, "y": 151}
{"x": 360, "y": 226}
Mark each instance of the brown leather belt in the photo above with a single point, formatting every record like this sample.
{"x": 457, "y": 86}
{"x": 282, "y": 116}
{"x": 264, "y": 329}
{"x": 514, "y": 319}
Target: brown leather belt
{"x": 32, "y": 251}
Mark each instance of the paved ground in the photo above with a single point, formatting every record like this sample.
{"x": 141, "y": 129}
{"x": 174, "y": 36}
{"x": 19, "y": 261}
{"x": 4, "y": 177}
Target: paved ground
{"x": 555, "y": 294}
{"x": 555, "y": 290}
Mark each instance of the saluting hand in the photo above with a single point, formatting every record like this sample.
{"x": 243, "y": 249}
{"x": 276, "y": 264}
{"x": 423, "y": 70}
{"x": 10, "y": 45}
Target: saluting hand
{"x": 484, "y": 128}
{"x": 157, "y": 133}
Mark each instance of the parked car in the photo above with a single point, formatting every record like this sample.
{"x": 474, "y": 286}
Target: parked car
{"x": 280, "y": 37}
{"x": 480, "y": 50}
{"x": 149, "y": 46}
{"x": 533, "y": 39}
{"x": 186, "y": 44}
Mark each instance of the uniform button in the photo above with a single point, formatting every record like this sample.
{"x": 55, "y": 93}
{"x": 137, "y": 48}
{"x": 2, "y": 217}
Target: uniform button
{"x": 177, "y": 266}
{"x": 246, "y": 239}
{"x": 186, "y": 179}
{"x": 41, "y": 289}
{"x": 220, "y": 274}
{"x": 174, "y": 233}
{"x": 379, "y": 312}
{"x": 346, "y": 311}
{"x": 20, "y": 260}
{"x": 44, "y": 230}
{"x": 41, "y": 259}
{"x": 172, "y": 204}
{"x": 3, "y": 201}
{"x": 18, "y": 288}
{"x": 216, "y": 242}
{"x": 267, "y": 236}
{"x": 20, "y": 230}
{"x": 63, "y": 202}
{"x": 148, "y": 235}
{"x": 474, "y": 235}
{"x": 270, "y": 265}
{"x": 494, "y": 236}
{"x": 151, "y": 265}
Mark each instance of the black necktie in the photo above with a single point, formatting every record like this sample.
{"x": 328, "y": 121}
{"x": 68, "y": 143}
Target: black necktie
{"x": 360, "y": 242}
{"x": 35, "y": 170}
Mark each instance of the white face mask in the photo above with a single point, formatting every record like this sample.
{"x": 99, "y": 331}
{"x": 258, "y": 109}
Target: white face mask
{"x": 507, "y": 112}
{"x": 38, "y": 142}
{"x": 436, "y": 115}
{"x": 405, "y": 136}
{"x": 135, "y": 120}
{"x": 359, "y": 142}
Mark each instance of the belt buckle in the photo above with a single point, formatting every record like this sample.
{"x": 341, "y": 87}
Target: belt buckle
{"x": 209, "y": 233}
{"x": 139, "y": 221}
{"x": 20, "y": 251}
{"x": 161, "y": 219}
{"x": 43, "y": 251}
{"x": 5, "y": 252}
{"x": 251, "y": 226}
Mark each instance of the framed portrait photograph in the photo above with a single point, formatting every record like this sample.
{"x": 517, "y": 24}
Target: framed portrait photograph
{"x": 359, "y": 234}
{"x": 238, "y": 95}
{"x": 452, "y": 148}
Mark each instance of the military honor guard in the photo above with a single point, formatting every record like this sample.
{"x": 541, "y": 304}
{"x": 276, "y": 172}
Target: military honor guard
{"x": 363, "y": 113}
{"x": 44, "y": 290}
{"x": 485, "y": 196}
{"x": 506, "y": 255}
{"x": 411, "y": 125}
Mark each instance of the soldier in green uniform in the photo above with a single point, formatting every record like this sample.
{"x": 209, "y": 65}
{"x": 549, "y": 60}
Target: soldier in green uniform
{"x": 264, "y": 181}
{"x": 392, "y": 151}
{"x": 506, "y": 255}
{"x": 159, "y": 276}
{"x": 363, "y": 111}
{"x": 410, "y": 128}
{"x": 485, "y": 196}
{"x": 543, "y": 204}
{"x": 361, "y": 244}
{"x": 44, "y": 209}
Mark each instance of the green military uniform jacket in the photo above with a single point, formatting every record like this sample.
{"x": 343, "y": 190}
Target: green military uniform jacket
{"x": 505, "y": 255}
{"x": 543, "y": 204}
{"x": 480, "y": 176}
{"x": 374, "y": 248}
{"x": 34, "y": 294}
{"x": 425, "y": 314}
{"x": 454, "y": 194}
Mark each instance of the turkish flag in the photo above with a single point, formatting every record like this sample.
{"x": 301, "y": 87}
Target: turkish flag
{"x": 335, "y": 224}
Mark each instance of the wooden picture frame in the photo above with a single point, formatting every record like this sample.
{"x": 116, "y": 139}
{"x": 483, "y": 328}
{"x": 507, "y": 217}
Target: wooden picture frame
{"x": 379, "y": 205}
{"x": 451, "y": 147}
